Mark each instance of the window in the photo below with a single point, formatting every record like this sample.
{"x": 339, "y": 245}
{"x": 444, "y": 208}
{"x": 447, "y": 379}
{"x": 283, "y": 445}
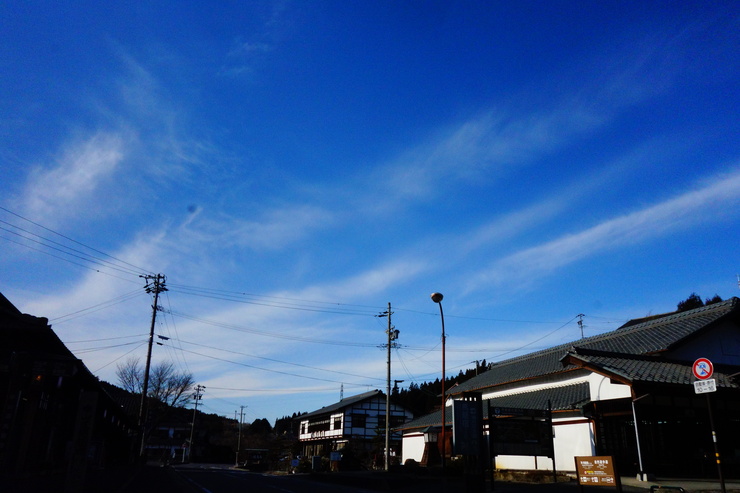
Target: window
{"x": 359, "y": 420}
{"x": 338, "y": 423}
{"x": 322, "y": 425}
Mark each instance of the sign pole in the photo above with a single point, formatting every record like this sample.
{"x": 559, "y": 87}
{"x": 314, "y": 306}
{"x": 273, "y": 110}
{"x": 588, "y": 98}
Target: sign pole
{"x": 703, "y": 369}
{"x": 716, "y": 447}
{"x": 552, "y": 440}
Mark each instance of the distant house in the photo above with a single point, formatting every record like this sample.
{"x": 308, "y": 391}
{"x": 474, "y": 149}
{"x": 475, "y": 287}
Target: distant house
{"x": 55, "y": 416}
{"x": 359, "y": 419}
{"x": 628, "y": 393}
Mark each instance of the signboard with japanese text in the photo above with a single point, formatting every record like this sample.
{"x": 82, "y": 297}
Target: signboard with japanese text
{"x": 704, "y": 386}
{"x": 467, "y": 427}
{"x": 596, "y": 471}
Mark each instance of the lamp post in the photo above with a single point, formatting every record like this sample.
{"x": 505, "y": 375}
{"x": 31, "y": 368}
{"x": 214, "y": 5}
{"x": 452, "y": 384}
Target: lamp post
{"x": 437, "y": 298}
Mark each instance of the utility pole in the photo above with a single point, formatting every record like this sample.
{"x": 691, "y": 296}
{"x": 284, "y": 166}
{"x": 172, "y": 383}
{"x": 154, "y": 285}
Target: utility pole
{"x": 580, "y": 323}
{"x": 392, "y": 336}
{"x": 154, "y": 284}
{"x": 197, "y": 397}
{"x": 239, "y": 434}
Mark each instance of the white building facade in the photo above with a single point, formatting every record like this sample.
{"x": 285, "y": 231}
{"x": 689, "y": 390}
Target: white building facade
{"x": 359, "y": 418}
{"x": 628, "y": 393}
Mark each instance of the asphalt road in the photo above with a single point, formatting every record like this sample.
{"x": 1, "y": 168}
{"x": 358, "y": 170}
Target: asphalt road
{"x": 213, "y": 478}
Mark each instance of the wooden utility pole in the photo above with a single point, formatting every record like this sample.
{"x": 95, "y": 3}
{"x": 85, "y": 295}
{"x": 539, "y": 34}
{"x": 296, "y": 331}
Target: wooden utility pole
{"x": 239, "y": 434}
{"x": 154, "y": 284}
{"x": 392, "y": 336}
{"x": 197, "y": 397}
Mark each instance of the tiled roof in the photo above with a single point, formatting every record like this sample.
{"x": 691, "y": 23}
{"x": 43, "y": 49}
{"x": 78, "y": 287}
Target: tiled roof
{"x": 129, "y": 402}
{"x": 349, "y": 401}
{"x": 640, "y": 368}
{"x": 650, "y": 337}
{"x": 563, "y": 398}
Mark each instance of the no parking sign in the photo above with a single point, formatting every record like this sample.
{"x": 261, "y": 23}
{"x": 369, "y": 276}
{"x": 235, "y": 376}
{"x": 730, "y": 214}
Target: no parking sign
{"x": 703, "y": 369}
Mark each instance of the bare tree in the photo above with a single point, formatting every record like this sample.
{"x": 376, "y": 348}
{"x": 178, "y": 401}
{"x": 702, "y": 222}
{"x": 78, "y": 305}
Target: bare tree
{"x": 130, "y": 375}
{"x": 166, "y": 384}
{"x": 169, "y": 386}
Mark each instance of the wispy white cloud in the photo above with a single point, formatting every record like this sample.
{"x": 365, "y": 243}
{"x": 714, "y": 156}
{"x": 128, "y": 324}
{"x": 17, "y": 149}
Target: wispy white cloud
{"x": 274, "y": 229}
{"x": 717, "y": 198}
{"x": 482, "y": 149}
{"x": 74, "y": 179}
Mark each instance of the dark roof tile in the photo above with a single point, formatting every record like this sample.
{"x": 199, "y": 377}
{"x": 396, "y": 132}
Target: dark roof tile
{"x": 650, "y": 337}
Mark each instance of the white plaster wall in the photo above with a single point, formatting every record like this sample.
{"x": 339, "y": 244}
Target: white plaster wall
{"x": 535, "y": 388}
{"x": 413, "y": 447}
{"x": 571, "y": 440}
{"x": 602, "y": 389}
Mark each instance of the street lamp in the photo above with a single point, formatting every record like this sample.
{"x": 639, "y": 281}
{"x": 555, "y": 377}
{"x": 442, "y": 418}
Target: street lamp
{"x": 437, "y": 298}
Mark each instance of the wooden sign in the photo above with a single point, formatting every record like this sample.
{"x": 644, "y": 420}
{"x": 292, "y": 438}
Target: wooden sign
{"x": 596, "y": 471}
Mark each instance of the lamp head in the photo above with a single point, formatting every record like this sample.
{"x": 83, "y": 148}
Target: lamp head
{"x": 437, "y": 297}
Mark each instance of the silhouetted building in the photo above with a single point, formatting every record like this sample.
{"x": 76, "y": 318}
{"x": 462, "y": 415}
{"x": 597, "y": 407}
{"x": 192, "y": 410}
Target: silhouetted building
{"x": 55, "y": 416}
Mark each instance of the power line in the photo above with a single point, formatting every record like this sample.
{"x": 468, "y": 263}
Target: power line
{"x": 272, "y": 297}
{"x": 277, "y": 360}
{"x": 136, "y": 268}
{"x": 67, "y": 260}
{"x": 100, "y": 348}
{"x": 292, "y": 391}
{"x": 177, "y": 335}
{"x": 305, "y": 306}
{"x": 264, "y": 369}
{"x": 95, "y": 308}
{"x": 72, "y": 252}
{"x": 104, "y": 339}
{"x": 272, "y": 334}
{"x": 124, "y": 354}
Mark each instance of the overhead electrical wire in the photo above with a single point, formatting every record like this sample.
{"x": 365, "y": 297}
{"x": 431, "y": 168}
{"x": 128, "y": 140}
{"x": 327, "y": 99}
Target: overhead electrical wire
{"x": 104, "y": 339}
{"x": 269, "y": 301}
{"x": 100, "y": 306}
{"x": 72, "y": 252}
{"x": 121, "y": 356}
{"x": 100, "y": 348}
{"x": 292, "y": 391}
{"x": 68, "y": 260}
{"x": 177, "y": 335}
{"x": 272, "y": 334}
{"x": 263, "y": 369}
{"x": 279, "y": 361}
{"x": 138, "y": 270}
{"x": 373, "y": 309}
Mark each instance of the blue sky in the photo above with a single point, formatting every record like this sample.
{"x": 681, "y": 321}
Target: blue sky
{"x": 292, "y": 167}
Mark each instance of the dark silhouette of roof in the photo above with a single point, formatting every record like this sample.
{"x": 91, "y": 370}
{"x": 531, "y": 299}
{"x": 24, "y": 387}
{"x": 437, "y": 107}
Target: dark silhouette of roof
{"x": 651, "y": 337}
{"x": 349, "y": 401}
{"x": 561, "y": 398}
{"x": 644, "y": 368}
{"x": 632, "y": 353}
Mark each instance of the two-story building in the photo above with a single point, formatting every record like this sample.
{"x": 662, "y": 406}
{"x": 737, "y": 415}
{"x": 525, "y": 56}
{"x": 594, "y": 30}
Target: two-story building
{"x": 359, "y": 420}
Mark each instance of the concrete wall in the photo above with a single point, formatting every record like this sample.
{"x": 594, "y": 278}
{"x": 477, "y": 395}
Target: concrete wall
{"x": 413, "y": 447}
{"x": 602, "y": 389}
{"x": 572, "y": 438}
